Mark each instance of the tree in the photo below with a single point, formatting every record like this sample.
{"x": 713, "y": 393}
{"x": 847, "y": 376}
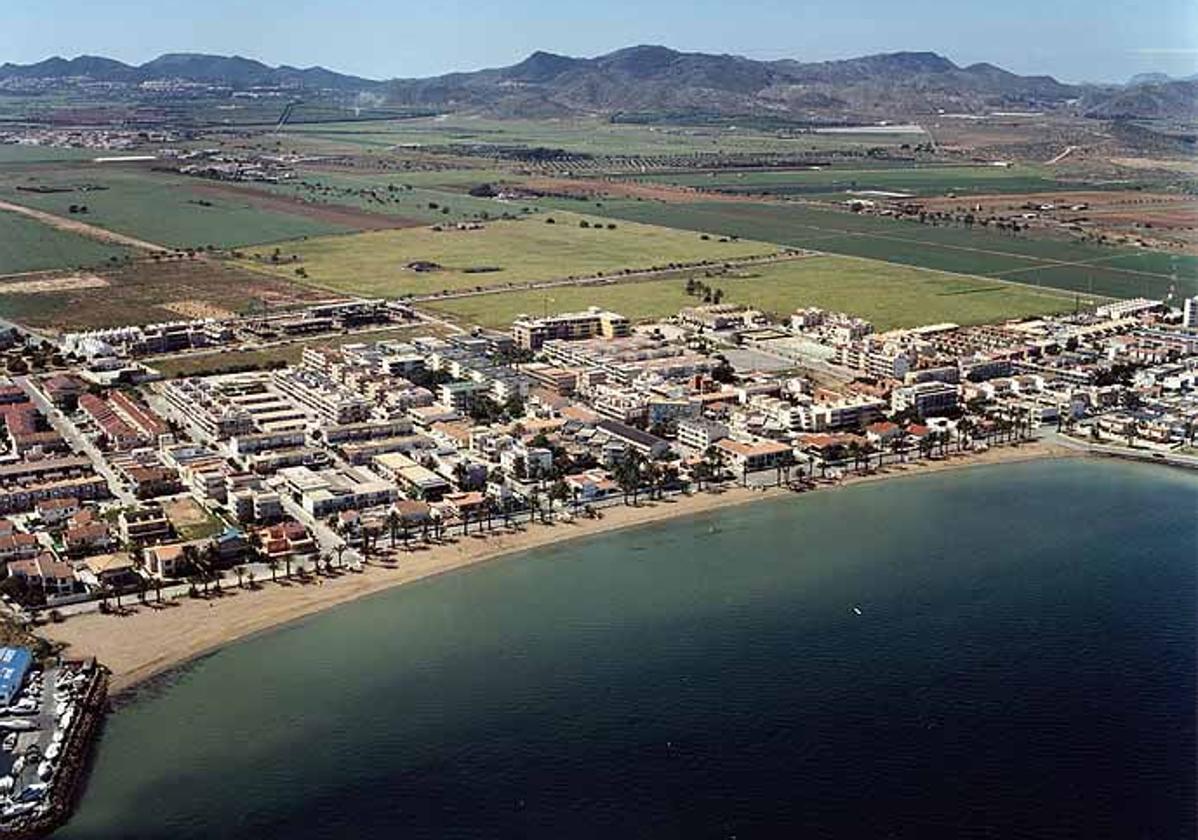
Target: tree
{"x": 273, "y": 564}
{"x": 559, "y": 491}
{"x": 393, "y": 523}
{"x": 240, "y": 572}
{"x": 251, "y": 577}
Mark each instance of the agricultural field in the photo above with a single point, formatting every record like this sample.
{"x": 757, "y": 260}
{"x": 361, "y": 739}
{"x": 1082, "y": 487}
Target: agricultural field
{"x": 394, "y": 195}
{"x": 28, "y": 245}
{"x": 589, "y": 136}
{"x": 157, "y": 207}
{"x": 1061, "y": 264}
{"x": 382, "y": 263}
{"x": 889, "y": 295}
{"x": 141, "y": 292}
{"x": 911, "y": 180}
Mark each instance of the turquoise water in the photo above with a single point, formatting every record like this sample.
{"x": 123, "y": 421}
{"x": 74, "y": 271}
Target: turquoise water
{"x": 1023, "y": 665}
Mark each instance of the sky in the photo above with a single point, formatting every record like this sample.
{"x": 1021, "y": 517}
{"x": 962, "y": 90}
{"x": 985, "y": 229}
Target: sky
{"x": 1074, "y": 40}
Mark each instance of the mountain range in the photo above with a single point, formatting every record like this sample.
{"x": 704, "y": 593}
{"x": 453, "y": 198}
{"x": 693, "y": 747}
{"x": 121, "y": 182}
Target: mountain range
{"x": 234, "y": 71}
{"x": 655, "y": 80}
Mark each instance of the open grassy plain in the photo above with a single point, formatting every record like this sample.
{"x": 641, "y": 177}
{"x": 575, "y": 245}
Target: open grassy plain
{"x": 499, "y": 253}
{"x": 157, "y": 207}
{"x": 1061, "y": 264}
{"x": 395, "y": 195}
{"x": 889, "y": 295}
{"x": 29, "y": 245}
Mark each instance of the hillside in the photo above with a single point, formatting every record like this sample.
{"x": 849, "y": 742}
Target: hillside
{"x": 658, "y": 79}
{"x": 231, "y": 71}
{"x": 652, "y": 81}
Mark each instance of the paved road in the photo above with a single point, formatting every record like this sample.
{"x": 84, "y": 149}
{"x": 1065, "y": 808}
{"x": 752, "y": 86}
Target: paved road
{"x": 1156, "y": 456}
{"x": 77, "y": 440}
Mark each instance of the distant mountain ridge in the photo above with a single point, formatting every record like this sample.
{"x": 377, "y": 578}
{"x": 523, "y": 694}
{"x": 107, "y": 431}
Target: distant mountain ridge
{"x": 655, "y": 78}
{"x": 234, "y": 71}
{"x": 652, "y": 80}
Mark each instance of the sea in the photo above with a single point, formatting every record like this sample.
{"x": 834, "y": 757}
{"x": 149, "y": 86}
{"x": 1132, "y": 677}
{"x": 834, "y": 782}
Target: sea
{"x": 996, "y": 652}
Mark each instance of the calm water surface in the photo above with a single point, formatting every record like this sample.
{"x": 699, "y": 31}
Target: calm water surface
{"x": 1023, "y": 666}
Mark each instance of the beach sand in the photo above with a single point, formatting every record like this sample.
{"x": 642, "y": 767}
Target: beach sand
{"x": 150, "y": 640}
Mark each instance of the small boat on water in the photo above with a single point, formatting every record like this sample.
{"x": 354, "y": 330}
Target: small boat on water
{"x": 10, "y": 742}
{"x": 18, "y": 725}
{"x": 857, "y": 610}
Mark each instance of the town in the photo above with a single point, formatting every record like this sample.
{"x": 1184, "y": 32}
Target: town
{"x": 121, "y": 488}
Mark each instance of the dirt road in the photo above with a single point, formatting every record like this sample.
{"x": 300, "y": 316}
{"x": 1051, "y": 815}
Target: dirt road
{"x": 83, "y": 228}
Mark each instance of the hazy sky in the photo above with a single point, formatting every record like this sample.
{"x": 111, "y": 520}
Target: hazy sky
{"x": 1075, "y": 40}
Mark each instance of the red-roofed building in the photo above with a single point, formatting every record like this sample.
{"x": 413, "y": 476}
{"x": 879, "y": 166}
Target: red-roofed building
{"x": 883, "y": 432}
{"x": 18, "y": 545}
{"x": 45, "y": 572}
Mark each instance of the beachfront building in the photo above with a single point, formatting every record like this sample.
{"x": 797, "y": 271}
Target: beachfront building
{"x": 924, "y": 399}
{"x": 747, "y": 457}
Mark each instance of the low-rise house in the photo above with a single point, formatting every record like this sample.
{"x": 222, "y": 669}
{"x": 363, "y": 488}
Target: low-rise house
{"x": 883, "y": 433}
{"x": 44, "y": 572}
{"x": 166, "y": 561}
{"x": 54, "y": 512}
{"x": 144, "y": 526}
{"x": 17, "y": 545}
{"x": 591, "y": 485}
{"x": 288, "y": 538}
{"x": 465, "y": 506}
{"x": 114, "y": 571}
{"x": 412, "y": 513}
{"x": 90, "y": 538}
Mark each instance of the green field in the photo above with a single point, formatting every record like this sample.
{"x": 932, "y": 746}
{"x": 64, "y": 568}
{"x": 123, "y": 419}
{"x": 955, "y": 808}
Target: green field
{"x": 588, "y": 136}
{"x": 28, "y": 245}
{"x": 11, "y": 153}
{"x": 156, "y": 207}
{"x": 889, "y": 295}
{"x": 501, "y": 253}
{"x": 1061, "y": 264}
{"x": 915, "y": 180}
{"x": 396, "y": 195}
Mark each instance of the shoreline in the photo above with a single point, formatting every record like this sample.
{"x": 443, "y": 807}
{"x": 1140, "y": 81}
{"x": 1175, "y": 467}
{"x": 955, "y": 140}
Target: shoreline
{"x": 154, "y": 640}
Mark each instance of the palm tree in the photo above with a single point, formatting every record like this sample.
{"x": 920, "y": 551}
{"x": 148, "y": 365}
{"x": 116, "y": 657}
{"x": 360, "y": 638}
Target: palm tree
{"x": 393, "y": 522}
{"x": 287, "y": 560}
{"x": 534, "y": 501}
{"x": 867, "y": 451}
{"x": 251, "y": 577}
{"x": 855, "y": 453}
{"x": 272, "y": 563}
{"x": 240, "y": 572}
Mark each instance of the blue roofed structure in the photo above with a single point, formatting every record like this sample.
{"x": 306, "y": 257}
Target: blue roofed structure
{"x": 14, "y": 664}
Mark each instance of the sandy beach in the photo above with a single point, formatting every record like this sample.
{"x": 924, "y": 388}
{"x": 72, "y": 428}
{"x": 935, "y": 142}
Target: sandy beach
{"x": 150, "y": 639}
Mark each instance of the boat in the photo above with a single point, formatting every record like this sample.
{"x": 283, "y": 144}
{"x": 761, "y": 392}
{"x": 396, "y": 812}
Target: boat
{"x": 45, "y": 771}
{"x": 18, "y": 725}
{"x": 10, "y": 742}
{"x": 857, "y": 610}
